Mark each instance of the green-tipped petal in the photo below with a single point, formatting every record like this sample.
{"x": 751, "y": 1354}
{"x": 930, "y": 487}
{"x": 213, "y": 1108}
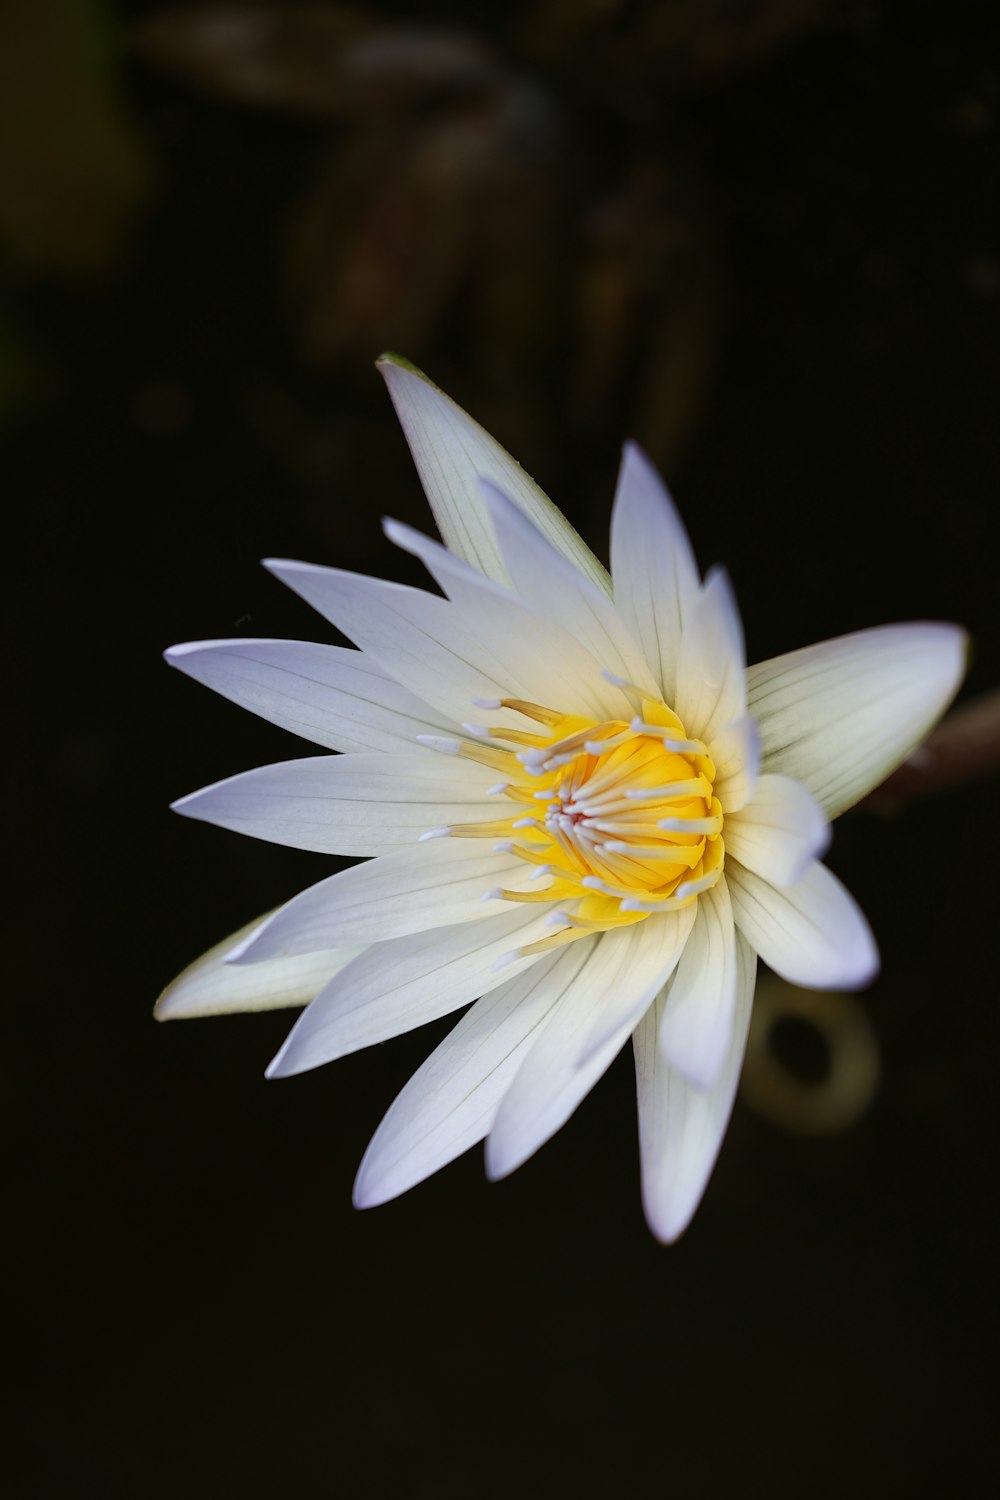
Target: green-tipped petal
{"x": 452, "y": 452}
{"x": 211, "y": 987}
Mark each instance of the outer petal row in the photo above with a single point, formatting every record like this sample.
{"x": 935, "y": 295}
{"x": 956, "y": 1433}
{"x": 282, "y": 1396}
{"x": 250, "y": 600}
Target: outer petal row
{"x": 348, "y": 804}
{"x": 517, "y": 1066}
{"x": 212, "y": 987}
{"x": 654, "y": 571}
{"x": 328, "y": 694}
{"x": 711, "y": 663}
{"x": 840, "y": 716}
{"x": 697, "y": 1026}
{"x": 550, "y": 583}
{"x": 395, "y": 895}
{"x": 812, "y": 933}
{"x": 681, "y": 1127}
{"x": 778, "y": 832}
{"x": 482, "y": 642}
{"x": 452, "y": 453}
{"x": 552, "y": 655}
{"x": 552, "y": 1081}
{"x": 450, "y": 1103}
{"x": 405, "y": 982}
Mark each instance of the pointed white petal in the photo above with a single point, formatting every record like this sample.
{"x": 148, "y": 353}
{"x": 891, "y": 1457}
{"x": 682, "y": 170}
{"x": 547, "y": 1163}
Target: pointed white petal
{"x": 840, "y": 716}
{"x": 652, "y": 565}
{"x": 556, "y": 588}
{"x": 211, "y": 987}
{"x": 681, "y": 1127}
{"x": 450, "y": 1103}
{"x": 432, "y": 885}
{"x": 658, "y": 944}
{"x": 778, "y": 832}
{"x": 348, "y": 804}
{"x": 328, "y": 694}
{"x": 735, "y": 749}
{"x": 812, "y": 933}
{"x": 405, "y": 982}
{"x": 552, "y": 663}
{"x": 697, "y": 1025}
{"x": 414, "y": 636}
{"x": 550, "y": 1083}
{"x": 451, "y": 452}
{"x": 711, "y": 665}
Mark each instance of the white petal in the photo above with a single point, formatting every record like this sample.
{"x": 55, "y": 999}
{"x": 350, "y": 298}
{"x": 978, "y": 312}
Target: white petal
{"x": 414, "y": 636}
{"x": 840, "y": 716}
{"x": 349, "y": 804}
{"x": 812, "y": 933}
{"x": 711, "y": 665}
{"x": 697, "y": 1025}
{"x": 211, "y": 987}
{"x": 450, "y": 1103}
{"x": 551, "y": 663}
{"x": 778, "y": 832}
{"x": 652, "y": 565}
{"x": 431, "y": 885}
{"x": 328, "y": 694}
{"x": 451, "y": 452}
{"x": 735, "y": 749}
{"x": 659, "y": 943}
{"x": 557, "y": 589}
{"x": 397, "y": 985}
{"x": 680, "y": 1127}
{"x": 550, "y": 1082}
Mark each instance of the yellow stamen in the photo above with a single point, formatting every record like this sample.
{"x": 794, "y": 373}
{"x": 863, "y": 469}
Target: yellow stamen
{"x": 620, "y": 816}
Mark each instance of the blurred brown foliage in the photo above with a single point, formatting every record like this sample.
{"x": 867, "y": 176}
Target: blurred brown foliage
{"x": 72, "y": 169}
{"x": 451, "y": 190}
{"x": 73, "y": 173}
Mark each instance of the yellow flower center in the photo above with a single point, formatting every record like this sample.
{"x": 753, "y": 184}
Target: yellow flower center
{"x": 620, "y": 818}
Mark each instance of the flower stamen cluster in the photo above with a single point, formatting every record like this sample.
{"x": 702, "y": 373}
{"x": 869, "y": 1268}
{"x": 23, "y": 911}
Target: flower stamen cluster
{"x": 619, "y": 818}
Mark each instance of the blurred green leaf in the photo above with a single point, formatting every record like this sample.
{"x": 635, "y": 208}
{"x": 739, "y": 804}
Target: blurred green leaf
{"x": 72, "y": 168}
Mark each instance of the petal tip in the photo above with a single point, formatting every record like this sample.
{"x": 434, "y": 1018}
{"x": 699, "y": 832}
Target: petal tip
{"x": 390, "y": 360}
{"x": 278, "y": 566}
{"x": 362, "y": 1196}
{"x": 668, "y": 1220}
{"x": 699, "y": 1068}
{"x": 370, "y": 1188}
{"x": 498, "y": 1164}
{"x": 668, "y": 1233}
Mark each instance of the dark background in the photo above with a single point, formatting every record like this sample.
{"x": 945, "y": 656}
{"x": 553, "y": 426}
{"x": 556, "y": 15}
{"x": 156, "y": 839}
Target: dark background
{"x": 761, "y": 238}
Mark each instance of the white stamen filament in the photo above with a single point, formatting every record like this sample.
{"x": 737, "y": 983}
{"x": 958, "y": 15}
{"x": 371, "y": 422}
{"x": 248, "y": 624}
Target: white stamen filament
{"x": 696, "y": 787}
{"x": 706, "y": 826}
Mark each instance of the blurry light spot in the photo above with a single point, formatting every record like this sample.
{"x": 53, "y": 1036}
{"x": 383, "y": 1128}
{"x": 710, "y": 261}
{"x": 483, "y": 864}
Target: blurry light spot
{"x": 801, "y": 1048}
{"x": 812, "y": 1062}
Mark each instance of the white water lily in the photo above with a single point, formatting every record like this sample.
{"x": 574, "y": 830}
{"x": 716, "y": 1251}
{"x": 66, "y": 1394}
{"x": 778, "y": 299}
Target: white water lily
{"x": 631, "y": 819}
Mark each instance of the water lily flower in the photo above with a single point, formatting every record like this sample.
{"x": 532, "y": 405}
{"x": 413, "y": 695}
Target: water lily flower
{"x": 577, "y": 810}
